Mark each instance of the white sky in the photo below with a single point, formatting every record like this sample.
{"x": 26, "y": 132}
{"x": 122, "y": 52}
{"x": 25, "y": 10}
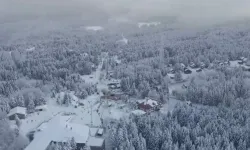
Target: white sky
{"x": 190, "y": 12}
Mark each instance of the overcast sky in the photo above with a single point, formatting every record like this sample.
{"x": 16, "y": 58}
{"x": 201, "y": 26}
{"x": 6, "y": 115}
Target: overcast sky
{"x": 190, "y": 12}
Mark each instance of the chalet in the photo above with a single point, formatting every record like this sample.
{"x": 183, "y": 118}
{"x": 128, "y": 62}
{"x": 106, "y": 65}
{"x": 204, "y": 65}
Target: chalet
{"x": 21, "y": 113}
{"x": 199, "y": 70}
{"x": 147, "y": 104}
{"x": 192, "y": 65}
{"x": 240, "y": 62}
{"x": 41, "y": 108}
{"x": 96, "y": 143}
{"x": 202, "y": 66}
{"x": 243, "y": 59}
{"x": 112, "y": 96}
{"x": 172, "y": 71}
{"x": 171, "y": 76}
{"x": 187, "y": 71}
{"x": 114, "y": 85}
{"x": 183, "y": 66}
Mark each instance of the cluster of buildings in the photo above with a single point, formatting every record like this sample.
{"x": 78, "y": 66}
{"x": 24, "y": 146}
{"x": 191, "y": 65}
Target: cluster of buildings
{"x": 60, "y": 132}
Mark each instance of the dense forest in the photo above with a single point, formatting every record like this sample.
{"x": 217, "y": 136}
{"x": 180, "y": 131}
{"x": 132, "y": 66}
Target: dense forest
{"x": 42, "y": 66}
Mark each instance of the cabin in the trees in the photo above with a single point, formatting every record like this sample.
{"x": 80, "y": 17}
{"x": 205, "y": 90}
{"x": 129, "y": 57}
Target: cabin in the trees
{"x": 20, "y": 112}
{"x": 199, "y": 70}
{"x": 187, "y": 71}
{"x": 189, "y": 103}
{"x": 148, "y": 105}
{"x": 114, "y": 85}
{"x": 183, "y": 66}
{"x": 41, "y": 108}
{"x": 243, "y": 59}
{"x": 192, "y": 65}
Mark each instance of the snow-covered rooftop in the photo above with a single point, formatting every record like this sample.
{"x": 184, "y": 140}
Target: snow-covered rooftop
{"x": 93, "y": 141}
{"x": 59, "y": 130}
{"x": 30, "y": 49}
{"x": 100, "y": 131}
{"x": 17, "y": 110}
{"x": 138, "y": 112}
{"x": 43, "y": 107}
{"x": 148, "y": 101}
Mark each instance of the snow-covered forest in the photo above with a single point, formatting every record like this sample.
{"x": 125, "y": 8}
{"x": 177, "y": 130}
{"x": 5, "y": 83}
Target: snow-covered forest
{"x": 148, "y": 83}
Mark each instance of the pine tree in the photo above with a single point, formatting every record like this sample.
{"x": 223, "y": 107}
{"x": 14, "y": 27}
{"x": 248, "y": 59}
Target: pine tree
{"x": 57, "y": 147}
{"x": 73, "y": 144}
{"x": 20, "y": 101}
{"x": 18, "y": 121}
{"x": 153, "y": 95}
{"x": 178, "y": 76}
{"x": 31, "y": 106}
{"x": 66, "y": 99}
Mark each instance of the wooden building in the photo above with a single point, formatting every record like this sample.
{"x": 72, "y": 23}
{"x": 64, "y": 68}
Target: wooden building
{"x": 20, "y": 112}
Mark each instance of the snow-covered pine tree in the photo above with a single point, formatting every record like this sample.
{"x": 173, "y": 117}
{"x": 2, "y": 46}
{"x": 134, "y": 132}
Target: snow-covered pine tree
{"x": 73, "y": 144}
{"x": 31, "y": 106}
{"x": 18, "y": 121}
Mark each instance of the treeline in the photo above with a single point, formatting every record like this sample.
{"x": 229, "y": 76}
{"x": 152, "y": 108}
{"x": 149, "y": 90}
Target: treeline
{"x": 46, "y": 67}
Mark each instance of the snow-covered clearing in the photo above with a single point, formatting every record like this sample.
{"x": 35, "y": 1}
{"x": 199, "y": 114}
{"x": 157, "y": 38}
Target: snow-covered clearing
{"x": 186, "y": 79}
{"x": 94, "y": 28}
{"x": 30, "y": 49}
{"x": 148, "y": 24}
{"x": 92, "y": 111}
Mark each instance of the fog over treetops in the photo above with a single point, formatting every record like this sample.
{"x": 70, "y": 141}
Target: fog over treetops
{"x": 46, "y": 15}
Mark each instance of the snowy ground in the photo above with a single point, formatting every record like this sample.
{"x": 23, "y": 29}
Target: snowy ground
{"x": 91, "y": 113}
{"x": 186, "y": 79}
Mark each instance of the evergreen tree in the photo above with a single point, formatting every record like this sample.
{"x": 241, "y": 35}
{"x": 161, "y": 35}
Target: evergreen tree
{"x": 178, "y": 76}
{"x": 18, "y": 121}
{"x": 73, "y": 144}
{"x": 31, "y": 106}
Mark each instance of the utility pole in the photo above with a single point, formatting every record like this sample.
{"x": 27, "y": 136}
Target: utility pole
{"x": 91, "y": 116}
{"x": 161, "y": 53}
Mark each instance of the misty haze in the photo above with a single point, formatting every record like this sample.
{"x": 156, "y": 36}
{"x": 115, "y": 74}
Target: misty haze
{"x": 124, "y": 75}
